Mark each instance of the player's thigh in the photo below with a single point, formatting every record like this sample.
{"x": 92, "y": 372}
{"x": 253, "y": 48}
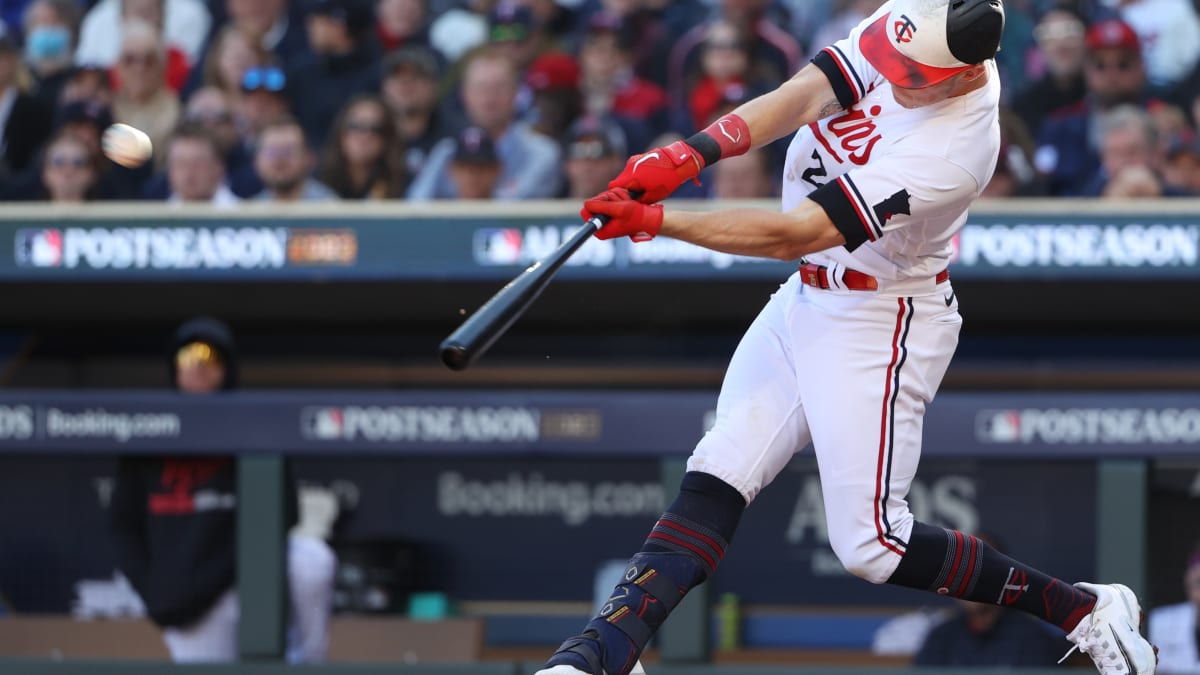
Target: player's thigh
{"x": 760, "y": 422}
{"x": 866, "y": 397}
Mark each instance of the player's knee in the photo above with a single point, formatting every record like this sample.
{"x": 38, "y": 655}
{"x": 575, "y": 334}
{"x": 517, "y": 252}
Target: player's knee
{"x": 865, "y": 559}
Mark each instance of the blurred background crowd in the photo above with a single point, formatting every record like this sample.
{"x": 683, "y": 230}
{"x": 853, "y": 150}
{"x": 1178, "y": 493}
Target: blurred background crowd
{"x": 486, "y": 99}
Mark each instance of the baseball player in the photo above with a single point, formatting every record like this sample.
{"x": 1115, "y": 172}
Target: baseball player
{"x": 896, "y": 134}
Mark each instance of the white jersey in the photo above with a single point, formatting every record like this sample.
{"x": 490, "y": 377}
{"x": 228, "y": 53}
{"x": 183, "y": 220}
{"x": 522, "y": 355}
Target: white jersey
{"x": 878, "y": 168}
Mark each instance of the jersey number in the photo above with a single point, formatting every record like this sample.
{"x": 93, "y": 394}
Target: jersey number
{"x": 818, "y": 171}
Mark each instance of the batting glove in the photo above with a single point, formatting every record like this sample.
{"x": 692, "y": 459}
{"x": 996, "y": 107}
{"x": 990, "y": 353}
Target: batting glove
{"x": 656, "y": 174}
{"x": 627, "y": 217}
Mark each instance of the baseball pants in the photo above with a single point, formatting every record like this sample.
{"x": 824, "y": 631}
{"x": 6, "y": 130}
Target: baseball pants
{"x": 851, "y": 372}
{"x": 310, "y": 567}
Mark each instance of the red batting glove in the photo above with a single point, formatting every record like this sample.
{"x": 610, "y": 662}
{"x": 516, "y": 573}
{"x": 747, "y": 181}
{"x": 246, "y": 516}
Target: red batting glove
{"x": 656, "y": 174}
{"x": 640, "y": 222}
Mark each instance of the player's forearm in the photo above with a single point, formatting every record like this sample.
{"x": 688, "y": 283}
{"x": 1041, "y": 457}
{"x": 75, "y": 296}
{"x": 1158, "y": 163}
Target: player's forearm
{"x": 754, "y": 232}
{"x": 805, "y": 98}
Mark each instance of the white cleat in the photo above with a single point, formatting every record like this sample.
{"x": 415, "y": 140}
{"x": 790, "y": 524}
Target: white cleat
{"x": 1110, "y": 633}
{"x": 572, "y": 670}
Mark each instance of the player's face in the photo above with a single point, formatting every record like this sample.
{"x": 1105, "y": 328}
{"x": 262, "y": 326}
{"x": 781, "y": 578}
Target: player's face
{"x": 917, "y": 98}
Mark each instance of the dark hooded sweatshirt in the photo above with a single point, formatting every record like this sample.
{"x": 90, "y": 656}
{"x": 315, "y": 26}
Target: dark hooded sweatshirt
{"x": 174, "y": 519}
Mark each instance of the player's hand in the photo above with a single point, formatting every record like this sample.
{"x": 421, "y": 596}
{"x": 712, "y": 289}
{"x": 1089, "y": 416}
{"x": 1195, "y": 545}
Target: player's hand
{"x": 656, "y": 174}
{"x": 639, "y": 222}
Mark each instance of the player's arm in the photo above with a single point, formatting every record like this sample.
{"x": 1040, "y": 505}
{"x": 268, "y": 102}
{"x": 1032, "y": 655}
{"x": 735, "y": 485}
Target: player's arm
{"x": 785, "y": 235}
{"x": 805, "y": 98}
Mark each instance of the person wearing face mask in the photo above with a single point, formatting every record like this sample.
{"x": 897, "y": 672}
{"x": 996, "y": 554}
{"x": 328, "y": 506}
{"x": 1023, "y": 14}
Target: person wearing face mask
{"x": 50, "y": 28}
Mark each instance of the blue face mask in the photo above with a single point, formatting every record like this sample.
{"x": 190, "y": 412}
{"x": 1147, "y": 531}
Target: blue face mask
{"x": 47, "y": 42}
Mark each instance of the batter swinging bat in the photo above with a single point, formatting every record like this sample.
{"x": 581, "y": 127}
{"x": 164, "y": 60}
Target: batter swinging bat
{"x": 480, "y": 330}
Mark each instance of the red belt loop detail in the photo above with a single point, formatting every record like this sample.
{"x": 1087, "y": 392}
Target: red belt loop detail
{"x": 817, "y": 276}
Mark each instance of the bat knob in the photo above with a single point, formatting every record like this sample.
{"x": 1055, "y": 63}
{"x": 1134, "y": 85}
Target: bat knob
{"x": 454, "y": 355}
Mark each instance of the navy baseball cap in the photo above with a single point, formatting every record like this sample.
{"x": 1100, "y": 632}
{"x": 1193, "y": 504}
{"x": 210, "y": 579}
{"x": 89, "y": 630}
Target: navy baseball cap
{"x": 357, "y": 15}
{"x": 594, "y": 137}
{"x": 474, "y": 146}
{"x": 919, "y": 43}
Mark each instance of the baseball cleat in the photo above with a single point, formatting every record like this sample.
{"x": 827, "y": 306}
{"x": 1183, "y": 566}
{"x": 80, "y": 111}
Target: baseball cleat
{"x": 572, "y": 670}
{"x": 1110, "y": 633}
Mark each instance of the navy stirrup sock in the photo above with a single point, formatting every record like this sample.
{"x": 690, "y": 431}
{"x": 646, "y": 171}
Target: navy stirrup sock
{"x": 682, "y": 551}
{"x": 952, "y": 563}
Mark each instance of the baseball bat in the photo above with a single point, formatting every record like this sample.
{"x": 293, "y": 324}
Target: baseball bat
{"x": 470, "y": 340}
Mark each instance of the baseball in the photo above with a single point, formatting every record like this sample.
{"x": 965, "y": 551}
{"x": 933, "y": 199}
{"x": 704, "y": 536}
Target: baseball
{"x": 126, "y": 145}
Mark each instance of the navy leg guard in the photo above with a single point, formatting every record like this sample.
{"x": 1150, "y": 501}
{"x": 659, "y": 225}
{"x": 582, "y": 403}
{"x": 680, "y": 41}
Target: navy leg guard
{"x": 680, "y": 553}
{"x": 653, "y": 585}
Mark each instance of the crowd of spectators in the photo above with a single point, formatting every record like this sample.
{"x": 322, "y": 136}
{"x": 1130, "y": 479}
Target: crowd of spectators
{"x": 523, "y": 99}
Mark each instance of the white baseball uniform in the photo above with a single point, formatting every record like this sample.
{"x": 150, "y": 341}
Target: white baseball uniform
{"x": 852, "y": 370}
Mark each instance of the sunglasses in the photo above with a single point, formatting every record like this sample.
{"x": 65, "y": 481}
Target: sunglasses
{"x": 270, "y": 79}
{"x": 1124, "y": 64}
{"x": 365, "y": 127}
{"x": 210, "y": 117}
{"x": 144, "y": 59}
{"x": 63, "y": 161}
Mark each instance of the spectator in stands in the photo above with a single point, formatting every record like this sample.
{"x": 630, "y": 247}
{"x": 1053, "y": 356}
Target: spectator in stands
{"x": 231, "y": 53}
{"x": 345, "y": 63}
{"x": 50, "y": 28}
{"x": 88, "y": 83}
{"x": 362, "y": 158}
{"x": 553, "y": 80}
{"x": 474, "y": 167}
{"x": 144, "y": 100}
{"x": 595, "y": 149}
{"x": 1181, "y": 172}
{"x": 24, "y": 121}
{"x": 990, "y": 635}
{"x": 181, "y": 558}
{"x": 610, "y": 86}
{"x": 70, "y": 170}
{"x": 177, "y": 63}
{"x": 1060, "y": 40}
{"x": 513, "y": 31}
{"x": 775, "y": 55}
{"x": 724, "y": 63}
{"x": 196, "y": 169}
{"x": 402, "y": 23}
{"x": 1129, "y": 156}
{"x": 285, "y": 163}
{"x": 1175, "y": 629}
{"x": 751, "y": 176}
{"x": 209, "y": 109}
{"x": 1068, "y": 142}
{"x": 1169, "y": 32}
{"x": 276, "y": 27}
{"x": 410, "y": 91}
{"x": 184, "y": 24}
{"x": 652, "y": 27}
{"x": 263, "y": 99}
{"x": 1014, "y": 175}
{"x": 530, "y": 166}
{"x": 87, "y": 120}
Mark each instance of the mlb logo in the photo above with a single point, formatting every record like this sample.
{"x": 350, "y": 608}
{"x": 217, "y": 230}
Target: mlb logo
{"x": 323, "y": 424}
{"x": 998, "y": 426}
{"x": 39, "y": 248}
{"x": 498, "y": 246}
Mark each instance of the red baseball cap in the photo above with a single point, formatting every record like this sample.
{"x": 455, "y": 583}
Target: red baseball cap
{"x": 919, "y": 43}
{"x": 553, "y": 70}
{"x": 1114, "y": 34}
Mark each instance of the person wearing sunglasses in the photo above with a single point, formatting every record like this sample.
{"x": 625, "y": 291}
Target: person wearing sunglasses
{"x": 144, "y": 100}
{"x": 1068, "y": 153}
{"x": 70, "y": 171}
